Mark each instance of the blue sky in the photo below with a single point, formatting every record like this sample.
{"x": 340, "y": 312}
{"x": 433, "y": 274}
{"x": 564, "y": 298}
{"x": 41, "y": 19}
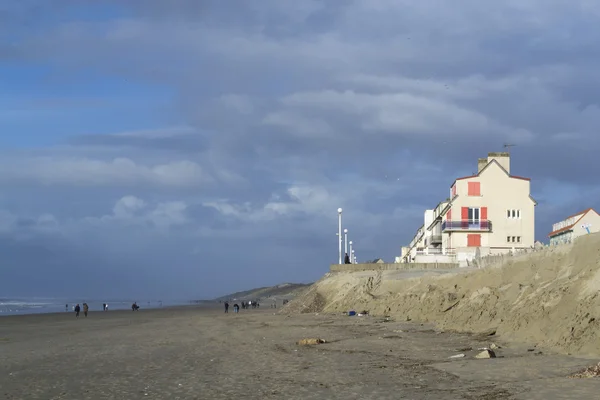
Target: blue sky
{"x": 188, "y": 148}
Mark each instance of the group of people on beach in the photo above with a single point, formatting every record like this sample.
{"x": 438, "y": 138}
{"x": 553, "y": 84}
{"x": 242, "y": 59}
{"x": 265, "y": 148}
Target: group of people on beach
{"x": 245, "y": 305}
{"x": 86, "y": 308}
{"x": 77, "y": 309}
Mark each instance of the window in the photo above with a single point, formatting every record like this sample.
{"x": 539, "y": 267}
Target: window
{"x": 473, "y": 214}
{"x": 474, "y": 240}
{"x": 508, "y": 239}
{"x": 474, "y": 188}
{"x": 518, "y": 239}
{"x": 513, "y": 214}
{"x": 513, "y": 239}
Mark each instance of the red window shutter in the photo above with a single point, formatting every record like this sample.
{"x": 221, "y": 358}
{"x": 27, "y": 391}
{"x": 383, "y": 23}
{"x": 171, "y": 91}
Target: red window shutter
{"x": 484, "y": 213}
{"x": 464, "y": 216}
{"x": 474, "y": 240}
{"x": 449, "y": 215}
{"x": 454, "y": 190}
{"x": 474, "y": 188}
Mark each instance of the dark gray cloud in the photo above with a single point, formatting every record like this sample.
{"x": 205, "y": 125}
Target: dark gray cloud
{"x": 289, "y": 110}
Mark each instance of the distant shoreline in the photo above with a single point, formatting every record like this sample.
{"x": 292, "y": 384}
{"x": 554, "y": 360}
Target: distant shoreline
{"x": 94, "y": 310}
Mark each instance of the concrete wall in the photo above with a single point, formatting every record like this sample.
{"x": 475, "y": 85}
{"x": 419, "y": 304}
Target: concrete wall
{"x": 389, "y": 267}
{"x": 434, "y": 258}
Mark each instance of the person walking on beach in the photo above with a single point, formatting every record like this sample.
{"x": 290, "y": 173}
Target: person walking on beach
{"x": 347, "y": 259}
{"x": 226, "y": 307}
{"x": 236, "y": 308}
{"x": 85, "y": 309}
{"x": 66, "y": 308}
{"x": 77, "y": 309}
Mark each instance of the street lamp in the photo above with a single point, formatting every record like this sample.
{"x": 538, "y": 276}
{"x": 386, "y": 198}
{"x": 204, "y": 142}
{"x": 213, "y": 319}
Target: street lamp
{"x": 351, "y": 251}
{"x": 345, "y": 241}
{"x": 353, "y": 257}
{"x": 340, "y": 235}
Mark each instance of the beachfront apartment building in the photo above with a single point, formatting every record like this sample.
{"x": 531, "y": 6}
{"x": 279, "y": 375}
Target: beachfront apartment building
{"x": 570, "y": 228}
{"x": 490, "y": 212}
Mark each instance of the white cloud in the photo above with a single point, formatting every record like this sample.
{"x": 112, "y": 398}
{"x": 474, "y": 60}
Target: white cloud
{"x": 93, "y": 172}
{"x": 157, "y": 133}
{"x": 127, "y": 206}
{"x": 134, "y": 211}
{"x": 405, "y": 114}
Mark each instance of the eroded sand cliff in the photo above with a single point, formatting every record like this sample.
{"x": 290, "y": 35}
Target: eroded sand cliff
{"x": 550, "y": 297}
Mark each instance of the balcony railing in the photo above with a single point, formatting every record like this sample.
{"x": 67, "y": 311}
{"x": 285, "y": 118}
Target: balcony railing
{"x": 436, "y": 239}
{"x": 467, "y": 225}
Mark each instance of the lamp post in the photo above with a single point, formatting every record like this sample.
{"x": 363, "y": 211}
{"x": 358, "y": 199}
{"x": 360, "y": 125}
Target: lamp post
{"x": 345, "y": 242}
{"x": 340, "y": 235}
{"x": 351, "y": 252}
{"x": 353, "y": 257}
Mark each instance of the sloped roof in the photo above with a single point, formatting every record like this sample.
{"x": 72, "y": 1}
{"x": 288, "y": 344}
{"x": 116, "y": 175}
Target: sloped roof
{"x": 503, "y": 169}
{"x": 570, "y": 227}
{"x": 484, "y": 168}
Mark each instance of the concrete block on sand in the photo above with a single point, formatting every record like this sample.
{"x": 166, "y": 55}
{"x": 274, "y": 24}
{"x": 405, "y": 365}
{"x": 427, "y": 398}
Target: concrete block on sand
{"x": 486, "y": 354}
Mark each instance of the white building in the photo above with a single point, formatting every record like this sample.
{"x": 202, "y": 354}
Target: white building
{"x": 570, "y": 228}
{"x": 491, "y": 212}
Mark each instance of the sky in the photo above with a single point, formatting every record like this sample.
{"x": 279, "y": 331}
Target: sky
{"x": 191, "y": 148}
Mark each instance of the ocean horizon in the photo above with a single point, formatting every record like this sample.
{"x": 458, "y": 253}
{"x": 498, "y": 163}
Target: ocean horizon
{"x": 45, "y": 305}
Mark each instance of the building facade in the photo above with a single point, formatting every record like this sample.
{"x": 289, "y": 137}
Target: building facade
{"x": 491, "y": 212}
{"x": 570, "y": 228}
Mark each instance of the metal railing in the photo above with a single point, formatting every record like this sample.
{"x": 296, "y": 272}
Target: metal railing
{"x": 467, "y": 225}
{"x": 436, "y": 238}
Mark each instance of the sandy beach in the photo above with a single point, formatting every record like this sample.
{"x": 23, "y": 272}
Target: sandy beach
{"x": 199, "y": 353}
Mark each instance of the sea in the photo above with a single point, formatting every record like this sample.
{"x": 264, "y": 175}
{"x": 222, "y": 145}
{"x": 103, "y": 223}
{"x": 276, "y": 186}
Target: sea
{"x": 40, "y": 305}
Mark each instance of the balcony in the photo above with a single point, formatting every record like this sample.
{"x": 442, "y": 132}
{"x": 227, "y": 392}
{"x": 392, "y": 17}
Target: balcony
{"x": 479, "y": 225}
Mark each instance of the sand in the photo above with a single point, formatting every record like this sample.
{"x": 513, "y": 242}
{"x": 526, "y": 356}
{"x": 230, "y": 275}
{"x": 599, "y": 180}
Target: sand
{"x": 548, "y": 299}
{"x": 195, "y": 353}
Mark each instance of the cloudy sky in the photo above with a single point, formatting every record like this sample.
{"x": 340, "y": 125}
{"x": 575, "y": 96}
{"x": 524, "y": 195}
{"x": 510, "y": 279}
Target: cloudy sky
{"x": 188, "y": 148}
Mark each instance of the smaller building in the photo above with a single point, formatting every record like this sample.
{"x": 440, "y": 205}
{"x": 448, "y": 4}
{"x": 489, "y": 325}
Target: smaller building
{"x": 570, "y": 228}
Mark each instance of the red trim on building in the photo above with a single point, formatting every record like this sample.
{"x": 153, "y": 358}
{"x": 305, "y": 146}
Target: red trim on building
{"x": 474, "y": 240}
{"x": 569, "y": 227}
{"x": 474, "y": 188}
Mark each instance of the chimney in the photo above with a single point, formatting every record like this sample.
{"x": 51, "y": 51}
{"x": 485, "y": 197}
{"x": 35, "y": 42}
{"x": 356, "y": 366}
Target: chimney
{"x": 481, "y": 163}
{"x": 502, "y": 158}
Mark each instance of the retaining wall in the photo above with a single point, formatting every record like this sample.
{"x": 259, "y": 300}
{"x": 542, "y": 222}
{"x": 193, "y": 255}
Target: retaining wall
{"x": 389, "y": 267}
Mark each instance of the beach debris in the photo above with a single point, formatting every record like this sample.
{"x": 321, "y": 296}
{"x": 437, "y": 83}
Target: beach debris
{"x": 589, "y": 372}
{"x": 310, "y": 341}
{"x": 486, "y": 354}
{"x": 494, "y": 346}
{"x": 489, "y": 332}
{"x": 351, "y": 313}
{"x": 452, "y": 306}
{"x": 457, "y": 356}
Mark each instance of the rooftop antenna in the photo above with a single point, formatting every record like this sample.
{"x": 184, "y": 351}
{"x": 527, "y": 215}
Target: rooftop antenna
{"x": 507, "y": 146}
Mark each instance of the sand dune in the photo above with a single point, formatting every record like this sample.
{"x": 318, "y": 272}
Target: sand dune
{"x": 549, "y": 298}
